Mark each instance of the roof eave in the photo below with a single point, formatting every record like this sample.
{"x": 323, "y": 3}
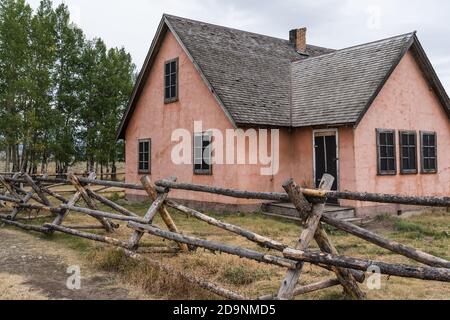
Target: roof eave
{"x": 163, "y": 27}
{"x": 431, "y": 75}
{"x": 385, "y": 79}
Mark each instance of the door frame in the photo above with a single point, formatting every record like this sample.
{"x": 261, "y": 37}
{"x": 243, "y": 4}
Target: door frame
{"x": 332, "y": 132}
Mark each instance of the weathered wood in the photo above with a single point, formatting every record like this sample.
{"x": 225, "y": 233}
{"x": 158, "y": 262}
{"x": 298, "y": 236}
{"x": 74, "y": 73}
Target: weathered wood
{"x": 38, "y": 207}
{"x": 254, "y": 237}
{"x": 345, "y": 276}
{"x": 270, "y": 196}
{"x": 400, "y": 270}
{"x": 17, "y": 209}
{"x": 287, "y": 287}
{"x": 83, "y": 227}
{"x": 164, "y": 213}
{"x": 24, "y": 192}
{"x": 148, "y": 218}
{"x": 214, "y": 246}
{"x": 307, "y": 288}
{"x": 91, "y": 204}
{"x": 23, "y": 226}
{"x": 312, "y": 193}
{"x": 111, "y": 204}
{"x": 55, "y": 195}
{"x": 10, "y": 199}
{"x": 316, "y": 286}
{"x": 204, "y": 284}
{"x": 393, "y": 246}
{"x": 296, "y": 196}
{"x": 34, "y": 217}
{"x": 4, "y": 181}
{"x": 36, "y": 189}
{"x": 161, "y": 250}
{"x": 90, "y": 236}
{"x": 102, "y": 214}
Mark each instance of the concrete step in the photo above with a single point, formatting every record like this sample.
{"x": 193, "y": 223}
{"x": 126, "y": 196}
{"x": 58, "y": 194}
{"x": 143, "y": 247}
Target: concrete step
{"x": 287, "y": 210}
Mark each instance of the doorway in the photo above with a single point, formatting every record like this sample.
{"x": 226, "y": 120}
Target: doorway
{"x": 326, "y": 159}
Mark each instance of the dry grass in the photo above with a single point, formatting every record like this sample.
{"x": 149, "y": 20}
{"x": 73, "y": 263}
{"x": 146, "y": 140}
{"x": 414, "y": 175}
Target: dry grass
{"x": 13, "y": 287}
{"x": 429, "y": 232}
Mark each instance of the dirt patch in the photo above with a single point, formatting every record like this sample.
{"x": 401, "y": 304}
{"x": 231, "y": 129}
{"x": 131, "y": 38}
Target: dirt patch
{"x": 37, "y": 269}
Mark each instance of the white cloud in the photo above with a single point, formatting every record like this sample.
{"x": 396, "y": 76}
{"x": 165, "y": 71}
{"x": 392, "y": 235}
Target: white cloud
{"x": 331, "y": 23}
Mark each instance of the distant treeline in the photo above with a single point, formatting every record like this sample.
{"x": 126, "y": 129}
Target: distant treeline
{"x": 61, "y": 95}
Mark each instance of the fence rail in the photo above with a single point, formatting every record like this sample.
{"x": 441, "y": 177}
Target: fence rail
{"x": 348, "y": 271}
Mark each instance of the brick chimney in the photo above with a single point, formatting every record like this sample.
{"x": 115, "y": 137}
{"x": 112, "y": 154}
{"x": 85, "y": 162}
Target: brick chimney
{"x": 297, "y": 38}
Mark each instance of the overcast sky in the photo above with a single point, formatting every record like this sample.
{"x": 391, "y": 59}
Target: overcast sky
{"x": 331, "y": 23}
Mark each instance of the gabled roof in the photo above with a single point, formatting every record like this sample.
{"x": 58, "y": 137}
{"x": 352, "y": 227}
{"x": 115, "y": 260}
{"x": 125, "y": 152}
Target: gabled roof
{"x": 339, "y": 87}
{"x": 262, "y": 81}
{"x": 248, "y": 73}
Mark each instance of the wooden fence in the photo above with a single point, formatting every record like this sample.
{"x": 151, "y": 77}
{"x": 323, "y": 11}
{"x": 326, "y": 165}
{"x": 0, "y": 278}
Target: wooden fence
{"x": 23, "y": 193}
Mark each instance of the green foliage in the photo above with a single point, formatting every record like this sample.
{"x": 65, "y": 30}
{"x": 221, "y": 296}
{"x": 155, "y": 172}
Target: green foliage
{"x": 418, "y": 231}
{"x": 61, "y": 96}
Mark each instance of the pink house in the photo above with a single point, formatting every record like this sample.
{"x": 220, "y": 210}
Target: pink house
{"x": 375, "y": 116}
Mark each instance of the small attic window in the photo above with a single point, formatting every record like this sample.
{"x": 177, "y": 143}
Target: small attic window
{"x": 171, "y": 81}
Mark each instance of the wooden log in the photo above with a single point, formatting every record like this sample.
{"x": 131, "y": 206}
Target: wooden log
{"x": 91, "y": 204}
{"x": 38, "y": 207}
{"x": 400, "y": 270}
{"x": 204, "y": 284}
{"x": 102, "y": 214}
{"x": 111, "y": 204}
{"x": 312, "y": 193}
{"x": 164, "y": 213}
{"x": 4, "y": 181}
{"x": 148, "y": 219}
{"x": 316, "y": 286}
{"x": 269, "y": 196}
{"x": 161, "y": 250}
{"x": 214, "y": 246}
{"x": 286, "y": 291}
{"x": 36, "y": 189}
{"x": 23, "y": 226}
{"x": 37, "y": 217}
{"x": 254, "y": 237}
{"x": 55, "y": 195}
{"x": 10, "y": 199}
{"x": 303, "y": 206}
{"x": 82, "y": 227}
{"x": 344, "y": 276}
{"x": 17, "y": 209}
{"x": 24, "y": 192}
{"x": 307, "y": 289}
{"x": 393, "y": 246}
{"x": 90, "y": 236}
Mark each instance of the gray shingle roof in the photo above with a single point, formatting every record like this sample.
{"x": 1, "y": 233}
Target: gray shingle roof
{"x": 248, "y": 71}
{"x": 262, "y": 81}
{"x": 336, "y": 88}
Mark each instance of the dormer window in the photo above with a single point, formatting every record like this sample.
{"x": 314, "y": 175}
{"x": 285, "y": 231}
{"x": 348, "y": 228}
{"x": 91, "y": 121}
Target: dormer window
{"x": 171, "y": 81}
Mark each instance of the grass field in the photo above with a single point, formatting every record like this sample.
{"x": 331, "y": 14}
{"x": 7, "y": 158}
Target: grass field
{"x": 428, "y": 232}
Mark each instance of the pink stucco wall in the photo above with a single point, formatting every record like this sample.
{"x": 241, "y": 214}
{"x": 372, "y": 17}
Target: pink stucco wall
{"x": 405, "y": 103}
{"x": 156, "y": 120}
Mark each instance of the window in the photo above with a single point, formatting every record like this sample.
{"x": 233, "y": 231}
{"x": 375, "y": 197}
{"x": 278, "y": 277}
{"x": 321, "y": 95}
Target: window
{"x": 408, "y": 152}
{"x": 202, "y": 153}
{"x": 429, "y": 152}
{"x": 171, "y": 81}
{"x": 144, "y": 156}
{"x": 387, "y": 162}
